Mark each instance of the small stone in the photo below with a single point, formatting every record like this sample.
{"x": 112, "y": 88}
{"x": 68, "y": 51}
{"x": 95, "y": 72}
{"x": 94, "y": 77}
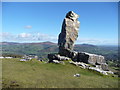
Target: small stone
{"x": 56, "y": 61}
{"x": 23, "y": 60}
{"x": 77, "y": 75}
{"x": 104, "y": 66}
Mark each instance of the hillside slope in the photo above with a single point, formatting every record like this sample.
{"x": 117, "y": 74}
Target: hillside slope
{"x": 36, "y": 74}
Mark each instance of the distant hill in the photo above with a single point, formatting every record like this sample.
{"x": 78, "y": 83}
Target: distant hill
{"x": 43, "y": 48}
{"x": 13, "y": 43}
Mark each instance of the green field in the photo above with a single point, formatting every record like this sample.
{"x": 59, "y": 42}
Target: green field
{"x": 36, "y": 74}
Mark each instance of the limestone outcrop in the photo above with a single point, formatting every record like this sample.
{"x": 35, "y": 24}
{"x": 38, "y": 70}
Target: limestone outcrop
{"x": 91, "y": 58}
{"x": 56, "y": 57}
{"x": 95, "y": 68}
{"x": 69, "y": 34}
{"x": 66, "y": 40}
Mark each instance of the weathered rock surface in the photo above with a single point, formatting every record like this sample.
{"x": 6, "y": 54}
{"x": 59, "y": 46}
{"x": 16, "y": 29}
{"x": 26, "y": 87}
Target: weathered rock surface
{"x": 91, "y": 58}
{"x": 56, "y": 57}
{"x": 69, "y": 33}
{"x": 86, "y": 66}
{"x": 58, "y": 62}
{"x": 80, "y": 64}
{"x": 104, "y": 66}
{"x": 101, "y": 70}
{"x": 98, "y": 70}
{"x": 67, "y": 37}
{"x": 23, "y": 60}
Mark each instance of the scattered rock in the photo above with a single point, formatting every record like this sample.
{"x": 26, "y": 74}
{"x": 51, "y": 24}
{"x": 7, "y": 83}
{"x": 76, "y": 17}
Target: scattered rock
{"x": 57, "y": 57}
{"x": 62, "y": 62}
{"x": 98, "y": 70}
{"x": 8, "y": 57}
{"x": 80, "y": 64}
{"x": 23, "y": 60}
{"x": 77, "y": 75}
{"x": 86, "y": 66}
{"x": 104, "y": 66}
{"x": 14, "y": 84}
{"x": 56, "y": 61}
{"x": 110, "y": 72}
{"x": 101, "y": 70}
{"x": 40, "y": 60}
{"x": 1, "y": 57}
{"x": 62, "y": 57}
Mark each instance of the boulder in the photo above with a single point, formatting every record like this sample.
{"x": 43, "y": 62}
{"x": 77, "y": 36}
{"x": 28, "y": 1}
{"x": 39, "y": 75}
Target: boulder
{"x": 56, "y": 57}
{"x": 90, "y": 58}
{"x": 104, "y": 66}
{"x": 52, "y": 57}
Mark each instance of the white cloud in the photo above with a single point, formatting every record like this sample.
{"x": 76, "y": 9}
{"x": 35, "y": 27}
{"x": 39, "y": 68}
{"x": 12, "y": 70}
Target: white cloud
{"x": 24, "y": 35}
{"x": 41, "y": 37}
{"x": 28, "y": 26}
{"x": 46, "y": 37}
{"x": 27, "y": 37}
{"x": 5, "y": 36}
{"x": 97, "y": 41}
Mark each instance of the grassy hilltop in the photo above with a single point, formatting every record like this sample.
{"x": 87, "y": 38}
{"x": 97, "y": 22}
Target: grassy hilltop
{"x": 36, "y": 74}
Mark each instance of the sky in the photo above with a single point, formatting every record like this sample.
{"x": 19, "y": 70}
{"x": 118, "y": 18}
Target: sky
{"x": 42, "y": 21}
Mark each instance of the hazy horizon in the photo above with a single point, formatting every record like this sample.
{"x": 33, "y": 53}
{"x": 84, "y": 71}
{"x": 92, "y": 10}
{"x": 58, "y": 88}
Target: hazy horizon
{"x": 56, "y": 43}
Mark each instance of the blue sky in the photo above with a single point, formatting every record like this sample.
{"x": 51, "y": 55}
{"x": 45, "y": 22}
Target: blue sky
{"x": 38, "y": 21}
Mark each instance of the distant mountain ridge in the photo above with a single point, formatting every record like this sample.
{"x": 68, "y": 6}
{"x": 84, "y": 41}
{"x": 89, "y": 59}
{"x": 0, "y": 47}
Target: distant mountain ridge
{"x": 10, "y": 43}
{"x": 46, "y": 43}
{"x": 43, "y": 48}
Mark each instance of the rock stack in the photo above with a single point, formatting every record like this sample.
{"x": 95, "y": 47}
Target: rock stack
{"x": 69, "y": 34}
{"x": 67, "y": 37}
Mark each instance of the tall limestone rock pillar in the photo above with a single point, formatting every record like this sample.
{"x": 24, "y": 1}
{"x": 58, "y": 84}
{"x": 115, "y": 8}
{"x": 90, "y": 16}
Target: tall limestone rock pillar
{"x": 67, "y": 37}
{"x": 69, "y": 34}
